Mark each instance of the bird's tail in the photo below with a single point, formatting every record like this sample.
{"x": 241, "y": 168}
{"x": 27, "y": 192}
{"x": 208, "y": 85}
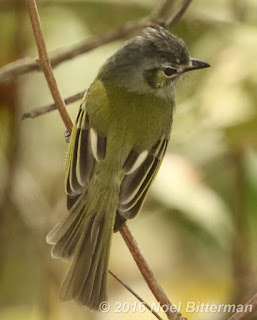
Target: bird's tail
{"x": 85, "y": 236}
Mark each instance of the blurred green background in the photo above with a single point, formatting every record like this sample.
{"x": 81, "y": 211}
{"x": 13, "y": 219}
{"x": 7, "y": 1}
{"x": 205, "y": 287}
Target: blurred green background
{"x": 198, "y": 226}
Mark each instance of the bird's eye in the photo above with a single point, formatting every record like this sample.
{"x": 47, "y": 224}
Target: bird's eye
{"x": 169, "y": 71}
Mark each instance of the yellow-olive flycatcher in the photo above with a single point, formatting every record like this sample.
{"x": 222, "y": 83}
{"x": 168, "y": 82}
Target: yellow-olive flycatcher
{"x": 117, "y": 146}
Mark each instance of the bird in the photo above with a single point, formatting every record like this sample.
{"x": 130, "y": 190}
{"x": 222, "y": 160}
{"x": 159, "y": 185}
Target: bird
{"x": 116, "y": 148}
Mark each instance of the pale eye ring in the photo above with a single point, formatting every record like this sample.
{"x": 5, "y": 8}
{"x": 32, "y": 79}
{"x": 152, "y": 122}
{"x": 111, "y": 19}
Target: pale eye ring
{"x": 169, "y": 71}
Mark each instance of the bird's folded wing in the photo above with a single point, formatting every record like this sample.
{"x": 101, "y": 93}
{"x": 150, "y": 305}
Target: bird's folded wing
{"x": 140, "y": 170}
{"x": 86, "y": 147}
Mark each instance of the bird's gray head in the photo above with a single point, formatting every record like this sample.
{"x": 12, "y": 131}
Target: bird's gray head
{"x": 152, "y": 62}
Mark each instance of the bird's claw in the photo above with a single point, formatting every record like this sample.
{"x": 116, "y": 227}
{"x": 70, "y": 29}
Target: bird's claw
{"x": 67, "y": 136}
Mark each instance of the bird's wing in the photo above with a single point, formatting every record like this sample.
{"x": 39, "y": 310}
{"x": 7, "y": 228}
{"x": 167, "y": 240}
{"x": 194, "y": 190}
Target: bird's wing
{"x": 140, "y": 170}
{"x": 86, "y": 147}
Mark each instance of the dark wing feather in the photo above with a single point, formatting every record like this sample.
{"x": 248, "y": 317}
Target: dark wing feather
{"x": 86, "y": 148}
{"x": 136, "y": 183}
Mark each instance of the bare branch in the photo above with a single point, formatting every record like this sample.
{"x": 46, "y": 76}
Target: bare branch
{"x": 148, "y": 275}
{"x": 161, "y": 13}
{"x": 177, "y": 15}
{"x": 51, "y": 107}
{"x": 135, "y": 295}
{"x": 45, "y": 64}
{"x": 26, "y": 65}
{"x": 244, "y": 315}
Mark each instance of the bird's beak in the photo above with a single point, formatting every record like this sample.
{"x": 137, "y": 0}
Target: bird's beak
{"x": 196, "y": 64}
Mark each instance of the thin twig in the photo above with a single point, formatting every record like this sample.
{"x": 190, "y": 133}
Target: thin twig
{"x": 135, "y": 295}
{"x": 177, "y": 15}
{"x": 148, "y": 274}
{"x": 34, "y": 113}
{"x": 244, "y": 315}
{"x": 161, "y": 13}
{"x": 26, "y": 65}
{"x": 45, "y": 64}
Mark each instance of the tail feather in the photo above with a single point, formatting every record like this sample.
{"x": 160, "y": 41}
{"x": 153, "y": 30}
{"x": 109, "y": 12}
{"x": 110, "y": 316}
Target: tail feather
{"x": 85, "y": 236}
{"x": 62, "y": 227}
{"x": 87, "y": 275}
{"x": 90, "y": 289}
{"x": 79, "y": 268}
{"x": 66, "y": 245}
{"x": 99, "y": 290}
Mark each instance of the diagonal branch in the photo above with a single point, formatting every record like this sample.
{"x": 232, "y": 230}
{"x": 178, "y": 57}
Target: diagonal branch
{"x": 148, "y": 275}
{"x": 244, "y": 315}
{"x": 45, "y": 64}
{"x": 136, "y": 295}
{"x": 26, "y": 65}
{"x": 51, "y": 107}
{"x": 161, "y": 13}
{"x": 178, "y": 14}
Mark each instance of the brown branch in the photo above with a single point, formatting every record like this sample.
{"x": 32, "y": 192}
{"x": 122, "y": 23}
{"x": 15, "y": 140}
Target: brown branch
{"x": 45, "y": 64}
{"x": 34, "y": 113}
{"x": 161, "y": 13}
{"x": 148, "y": 275}
{"x": 136, "y": 295}
{"x": 177, "y": 15}
{"x": 26, "y": 65}
{"x": 244, "y": 315}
